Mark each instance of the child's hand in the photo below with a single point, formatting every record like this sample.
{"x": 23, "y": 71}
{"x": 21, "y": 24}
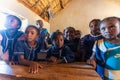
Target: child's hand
{"x": 91, "y": 62}
{"x": 12, "y": 63}
{"x": 5, "y": 56}
{"x": 59, "y": 61}
{"x": 53, "y": 59}
{"x": 34, "y": 67}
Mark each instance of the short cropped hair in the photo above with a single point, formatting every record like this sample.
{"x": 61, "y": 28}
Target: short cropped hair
{"x": 70, "y": 27}
{"x": 55, "y": 34}
{"x": 96, "y": 20}
{"x": 108, "y": 19}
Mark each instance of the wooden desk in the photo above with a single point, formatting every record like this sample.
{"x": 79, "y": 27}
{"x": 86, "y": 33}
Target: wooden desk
{"x": 49, "y": 72}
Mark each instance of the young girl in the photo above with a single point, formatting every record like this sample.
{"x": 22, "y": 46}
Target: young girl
{"x": 27, "y": 49}
{"x": 107, "y": 50}
{"x": 59, "y": 53}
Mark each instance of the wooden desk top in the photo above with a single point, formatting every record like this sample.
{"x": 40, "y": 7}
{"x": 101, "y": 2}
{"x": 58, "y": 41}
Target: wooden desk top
{"x": 49, "y": 72}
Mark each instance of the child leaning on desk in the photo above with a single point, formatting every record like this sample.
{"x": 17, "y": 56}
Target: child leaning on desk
{"x": 58, "y": 52}
{"x": 27, "y": 49}
{"x": 107, "y": 50}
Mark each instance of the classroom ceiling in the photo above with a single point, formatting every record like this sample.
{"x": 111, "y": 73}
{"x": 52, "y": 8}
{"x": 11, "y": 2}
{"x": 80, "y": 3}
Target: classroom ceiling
{"x": 45, "y": 8}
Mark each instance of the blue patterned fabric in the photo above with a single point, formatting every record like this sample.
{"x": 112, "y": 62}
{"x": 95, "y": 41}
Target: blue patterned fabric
{"x": 60, "y": 53}
{"x": 22, "y": 48}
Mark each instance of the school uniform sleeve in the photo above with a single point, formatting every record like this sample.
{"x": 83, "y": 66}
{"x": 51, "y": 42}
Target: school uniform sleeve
{"x": 19, "y": 48}
{"x": 68, "y": 57}
{"x": 49, "y": 54}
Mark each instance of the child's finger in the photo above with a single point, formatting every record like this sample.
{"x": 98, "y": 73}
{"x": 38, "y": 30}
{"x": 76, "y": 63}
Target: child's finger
{"x": 40, "y": 66}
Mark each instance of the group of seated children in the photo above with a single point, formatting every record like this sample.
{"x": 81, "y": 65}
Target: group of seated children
{"x": 66, "y": 47}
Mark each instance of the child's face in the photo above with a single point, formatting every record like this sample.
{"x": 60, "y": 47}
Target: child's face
{"x": 94, "y": 28}
{"x": 31, "y": 34}
{"x": 40, "y": 23}
{"x": 59, "y": 41}
{"x": 11, "y": 23}
{"x": 77, "y": 34}
{"x": 110, "y": 29}
{"x": 69, "y": 34}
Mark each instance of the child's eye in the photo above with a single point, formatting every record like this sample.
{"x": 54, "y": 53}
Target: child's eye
{"x": 103, "y": 28}
{"x": 11, "y": 20}
{"x": 111, "y": 27}
{"x": 32, "y": 33}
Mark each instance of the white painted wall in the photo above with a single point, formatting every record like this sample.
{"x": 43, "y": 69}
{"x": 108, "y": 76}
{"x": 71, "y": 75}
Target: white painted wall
{"x": 20, "y": 9}
{"x": 78, "y": 13}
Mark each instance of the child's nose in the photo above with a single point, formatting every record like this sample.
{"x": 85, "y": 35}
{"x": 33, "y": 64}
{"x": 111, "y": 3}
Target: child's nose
{"x": 29, "y": 34}
{"x": 106, "y": 30}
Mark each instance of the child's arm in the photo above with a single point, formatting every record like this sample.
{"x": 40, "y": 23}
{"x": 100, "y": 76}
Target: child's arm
{"x": 55, "y": 60}
{"x": 91, "y": 61}
{"x": 68, "y": 57}
{"x": 33, "y": 66}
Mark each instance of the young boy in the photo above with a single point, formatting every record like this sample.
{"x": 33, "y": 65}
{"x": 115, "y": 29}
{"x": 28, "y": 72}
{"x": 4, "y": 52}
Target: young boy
{"x": 42, "y": 36}
{"x": 71, "y": 41}
{"x": 107, "y": 50}
{"x": 89, "y": 39}
{"x": 10, "y": 36}
{"x": 59, "y": 53}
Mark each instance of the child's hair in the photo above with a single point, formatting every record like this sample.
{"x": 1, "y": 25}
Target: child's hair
{"x": 70, "y": 28}
{"x": 40, "y": 22}
{"x": 78, "y": 31}
{"x": 18, "y": 19}
{"x": 37, "y": 30}
{"x": 55, "y": 34}
{"x": 96, "y": 20}
{"x": 108, "y": 19}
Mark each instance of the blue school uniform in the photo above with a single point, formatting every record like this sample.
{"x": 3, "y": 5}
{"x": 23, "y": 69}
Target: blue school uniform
{"x": 63, "y": 53}
{"x": 108, "y": 59}
{"x": 9, "y": 41}
{"x": 72, "y": 44}
{"x": 41, "y": 38}
{"x": 23, "y": 48}
{"x": 88, "y": 43}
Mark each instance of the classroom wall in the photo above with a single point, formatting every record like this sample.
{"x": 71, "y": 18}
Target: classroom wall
{"x": 78, "y": 13}
{"x": 20, "y": 9}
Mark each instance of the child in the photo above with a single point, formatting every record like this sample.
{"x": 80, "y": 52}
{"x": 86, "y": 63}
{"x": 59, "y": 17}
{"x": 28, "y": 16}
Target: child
{"x": 107, "y": 50}
{"x": 59, "y": 53}
{"x": 42, "y": 35}
{"x": 78, "y": 34}
{"x": 10, "y": 36}
{"x": 89, "y": 39}
{"x": 71, "y": 41}
{"x": 28, "y": 49}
